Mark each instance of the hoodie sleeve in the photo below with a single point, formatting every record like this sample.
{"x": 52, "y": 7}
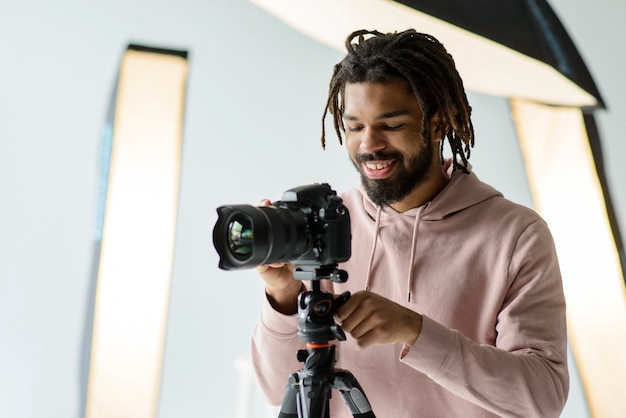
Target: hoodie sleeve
{"x": 525, "y": 374}
{"x": 274, "y": 349}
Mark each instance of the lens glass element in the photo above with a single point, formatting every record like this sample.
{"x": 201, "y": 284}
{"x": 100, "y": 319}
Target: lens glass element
{"x": 240, "y": 238}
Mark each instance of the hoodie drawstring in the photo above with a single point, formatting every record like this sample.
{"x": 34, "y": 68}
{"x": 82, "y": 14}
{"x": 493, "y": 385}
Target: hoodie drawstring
{"x": 413, "y": 247}
{"x": 371, "y": 260}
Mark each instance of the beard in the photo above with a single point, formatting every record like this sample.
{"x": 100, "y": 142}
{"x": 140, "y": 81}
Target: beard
{"x": 406, "y": 178}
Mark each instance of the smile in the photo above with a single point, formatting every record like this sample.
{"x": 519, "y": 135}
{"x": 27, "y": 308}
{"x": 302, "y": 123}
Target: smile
{"x": 378, "y": 170}
{"x": 379, "y": 165}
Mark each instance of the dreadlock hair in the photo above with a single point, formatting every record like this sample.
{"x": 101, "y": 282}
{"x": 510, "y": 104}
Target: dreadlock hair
{"x": 424, "y": 64}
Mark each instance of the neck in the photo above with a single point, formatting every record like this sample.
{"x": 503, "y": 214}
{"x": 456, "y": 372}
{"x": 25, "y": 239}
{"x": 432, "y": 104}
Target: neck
{"x": 424, "y": 192}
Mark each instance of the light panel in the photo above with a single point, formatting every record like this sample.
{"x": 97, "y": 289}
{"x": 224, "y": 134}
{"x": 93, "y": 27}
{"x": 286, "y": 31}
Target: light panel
{"x": 567, "y": 193}
{"x": 503, "y": 72}
{"x": 138, "y": 236}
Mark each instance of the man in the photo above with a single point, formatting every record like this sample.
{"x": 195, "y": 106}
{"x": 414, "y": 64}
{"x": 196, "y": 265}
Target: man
{"x": 457, "y": 308}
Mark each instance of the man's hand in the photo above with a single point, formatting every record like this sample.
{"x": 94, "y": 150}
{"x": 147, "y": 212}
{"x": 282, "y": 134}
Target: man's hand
{"x": 281, "y": 288}
{"x": 372, "y": 319}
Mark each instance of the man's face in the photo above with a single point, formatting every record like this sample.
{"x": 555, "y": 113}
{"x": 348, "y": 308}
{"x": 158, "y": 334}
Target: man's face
{"x": 383, "y": 136}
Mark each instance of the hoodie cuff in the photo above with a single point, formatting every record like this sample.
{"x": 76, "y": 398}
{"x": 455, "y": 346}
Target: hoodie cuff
{"x": 432, "y": 348}
{"x": 276, "y": 323}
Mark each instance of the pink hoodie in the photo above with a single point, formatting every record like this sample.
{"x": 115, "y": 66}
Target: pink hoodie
{"x": 484, "y": 273}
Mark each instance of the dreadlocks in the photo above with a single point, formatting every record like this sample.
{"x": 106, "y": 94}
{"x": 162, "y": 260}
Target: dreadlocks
{"x": 422, "y": 62}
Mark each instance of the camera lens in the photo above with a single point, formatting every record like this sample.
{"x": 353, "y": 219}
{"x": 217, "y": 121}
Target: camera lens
{"x": 247, "y": 236}
{"x": 240, "y": 237}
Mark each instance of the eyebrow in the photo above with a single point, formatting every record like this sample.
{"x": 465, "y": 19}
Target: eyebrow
{"x": 379, "y": 117}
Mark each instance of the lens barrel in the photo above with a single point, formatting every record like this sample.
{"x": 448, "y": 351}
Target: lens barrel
{"x": 246, "y": 236}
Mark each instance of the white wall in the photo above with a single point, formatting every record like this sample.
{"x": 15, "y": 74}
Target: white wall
{"x": 255, "y": 95}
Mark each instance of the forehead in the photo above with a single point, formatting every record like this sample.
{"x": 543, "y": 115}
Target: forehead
{"x": 379, "y": 98}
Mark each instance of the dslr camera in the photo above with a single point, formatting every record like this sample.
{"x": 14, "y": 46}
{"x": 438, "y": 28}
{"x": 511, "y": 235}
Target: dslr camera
{"x": 309, "y": 227}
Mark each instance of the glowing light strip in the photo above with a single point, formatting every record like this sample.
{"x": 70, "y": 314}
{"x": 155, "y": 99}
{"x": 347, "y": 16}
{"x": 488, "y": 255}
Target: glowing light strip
{"x": 138, "y": 236}
{"x": 567, "y": 193}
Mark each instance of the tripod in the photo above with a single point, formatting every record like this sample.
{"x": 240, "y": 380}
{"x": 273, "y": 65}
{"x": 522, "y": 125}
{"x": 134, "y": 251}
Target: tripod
{"x": 308, "y": 390}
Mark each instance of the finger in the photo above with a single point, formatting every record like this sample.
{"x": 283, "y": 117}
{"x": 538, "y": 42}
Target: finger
{"x": 269, "y": 273}
{"x": 364, "y": 322}
{"x": 349, "y": 306}
{"x": 262, "y": 268}
{"x": 365, "y": 340}
{"x": 356, "y": 312}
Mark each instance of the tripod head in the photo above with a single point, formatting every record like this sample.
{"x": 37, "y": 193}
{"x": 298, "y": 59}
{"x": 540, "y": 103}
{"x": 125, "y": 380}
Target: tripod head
{"x": 308, "y": 390}
{"x": 316, "y": 308}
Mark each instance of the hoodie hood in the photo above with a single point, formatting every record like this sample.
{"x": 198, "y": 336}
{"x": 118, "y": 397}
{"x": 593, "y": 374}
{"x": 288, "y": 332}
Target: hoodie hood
{"x": 463, "y": 191}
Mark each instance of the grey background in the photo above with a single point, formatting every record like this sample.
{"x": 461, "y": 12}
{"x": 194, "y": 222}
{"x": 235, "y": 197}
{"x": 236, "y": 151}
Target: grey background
{"x": 255, "y": 95}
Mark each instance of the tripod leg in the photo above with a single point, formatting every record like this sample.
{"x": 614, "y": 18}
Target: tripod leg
{"x": 353, "y": 395}
{"x": 306, "y": 396}
{"x": 289, "y": 406}
{"x": 314, "y": 397}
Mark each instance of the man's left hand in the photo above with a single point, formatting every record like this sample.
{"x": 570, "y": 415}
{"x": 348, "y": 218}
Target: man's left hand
{"x": 372, "y": 319}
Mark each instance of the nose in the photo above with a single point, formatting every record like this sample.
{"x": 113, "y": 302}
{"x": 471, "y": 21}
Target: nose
{"x": 371, "y": 141}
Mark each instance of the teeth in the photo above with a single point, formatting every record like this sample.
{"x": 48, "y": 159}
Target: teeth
{"x": 378, "y": 166}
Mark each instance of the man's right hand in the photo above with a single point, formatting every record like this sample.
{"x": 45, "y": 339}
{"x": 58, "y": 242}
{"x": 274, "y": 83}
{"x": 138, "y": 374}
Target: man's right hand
{"x": 281, "y": 288}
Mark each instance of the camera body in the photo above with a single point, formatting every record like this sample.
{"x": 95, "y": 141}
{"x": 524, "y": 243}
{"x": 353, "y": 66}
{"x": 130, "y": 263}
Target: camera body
{"x": 309, "y": 227}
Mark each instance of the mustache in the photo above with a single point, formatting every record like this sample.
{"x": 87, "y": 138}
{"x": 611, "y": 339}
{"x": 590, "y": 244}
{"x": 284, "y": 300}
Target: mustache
{"x": 378, "y": 156}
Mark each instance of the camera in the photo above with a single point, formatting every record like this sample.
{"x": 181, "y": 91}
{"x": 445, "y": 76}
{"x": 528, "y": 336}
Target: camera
{"x": 309, "y": 227}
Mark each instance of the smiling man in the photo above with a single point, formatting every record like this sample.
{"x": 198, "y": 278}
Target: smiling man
{"x": 457, "y": 307}
{"x": 395, "y": 161}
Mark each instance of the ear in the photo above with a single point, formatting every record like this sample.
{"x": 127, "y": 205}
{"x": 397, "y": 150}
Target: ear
{"x": 437, "y": 128}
